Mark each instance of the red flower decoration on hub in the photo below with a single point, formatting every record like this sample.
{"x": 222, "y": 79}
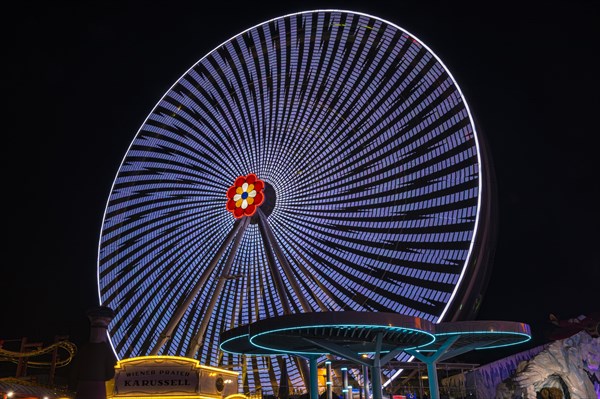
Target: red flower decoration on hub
{"x": 245, "y": 195}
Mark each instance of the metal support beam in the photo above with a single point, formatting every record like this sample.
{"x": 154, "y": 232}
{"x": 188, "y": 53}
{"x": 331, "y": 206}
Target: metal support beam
{"x": 287, "y": 269}
{"x": 196, "y": 341}
{"x": 365, "y": 371}
{"x": 272, "y": 247}
{"x": 277, "y": 280}
{"x": 304, "y": 369}
{"x": 314, "y": 378}
{"x": 430, "y": 359}
{"x": 374, "y": 364}
{"x": 376, "y": 368}
{"x": 330, "y": 347}
{"x": 449, "y": 354}
{"x": 328, "y": 380}
{"x": 391, "y": 355}
{"x": 345, "y": 382}
{"x": 166, "y": 334}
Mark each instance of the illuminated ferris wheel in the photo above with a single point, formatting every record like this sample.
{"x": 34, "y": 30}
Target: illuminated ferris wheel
{"x": 320, "y": 161}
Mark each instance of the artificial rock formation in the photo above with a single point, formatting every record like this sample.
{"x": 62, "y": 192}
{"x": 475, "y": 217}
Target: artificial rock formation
{"x": 570, "y": 366}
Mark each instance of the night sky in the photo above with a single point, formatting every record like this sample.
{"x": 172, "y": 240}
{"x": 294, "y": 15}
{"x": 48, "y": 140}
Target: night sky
{"x": 79, "y": 79}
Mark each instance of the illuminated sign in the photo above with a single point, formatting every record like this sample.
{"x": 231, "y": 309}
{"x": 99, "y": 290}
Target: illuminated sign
{"x": 171, "y": 375}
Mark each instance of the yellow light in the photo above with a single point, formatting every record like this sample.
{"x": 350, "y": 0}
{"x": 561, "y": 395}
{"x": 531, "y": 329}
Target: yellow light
{"x": 160, "y": 358}
{"x": 175, "y": 397}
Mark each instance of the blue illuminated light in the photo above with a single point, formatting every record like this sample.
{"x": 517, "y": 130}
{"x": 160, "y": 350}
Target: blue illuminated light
{"x": 502, "y": 334}
{"x": 254, "y": 337}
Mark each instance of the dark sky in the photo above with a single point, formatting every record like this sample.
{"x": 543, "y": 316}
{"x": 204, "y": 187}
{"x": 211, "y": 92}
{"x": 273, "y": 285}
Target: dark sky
{"x": 79, "y": 79}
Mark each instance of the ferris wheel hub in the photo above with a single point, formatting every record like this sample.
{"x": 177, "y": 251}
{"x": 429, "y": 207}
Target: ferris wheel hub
{"x": 245, "y": 195}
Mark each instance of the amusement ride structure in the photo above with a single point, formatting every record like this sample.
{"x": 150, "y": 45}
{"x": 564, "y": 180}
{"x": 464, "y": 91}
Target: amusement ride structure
{"x": 316, "y": 166}
{"x": 35, "y": 355}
